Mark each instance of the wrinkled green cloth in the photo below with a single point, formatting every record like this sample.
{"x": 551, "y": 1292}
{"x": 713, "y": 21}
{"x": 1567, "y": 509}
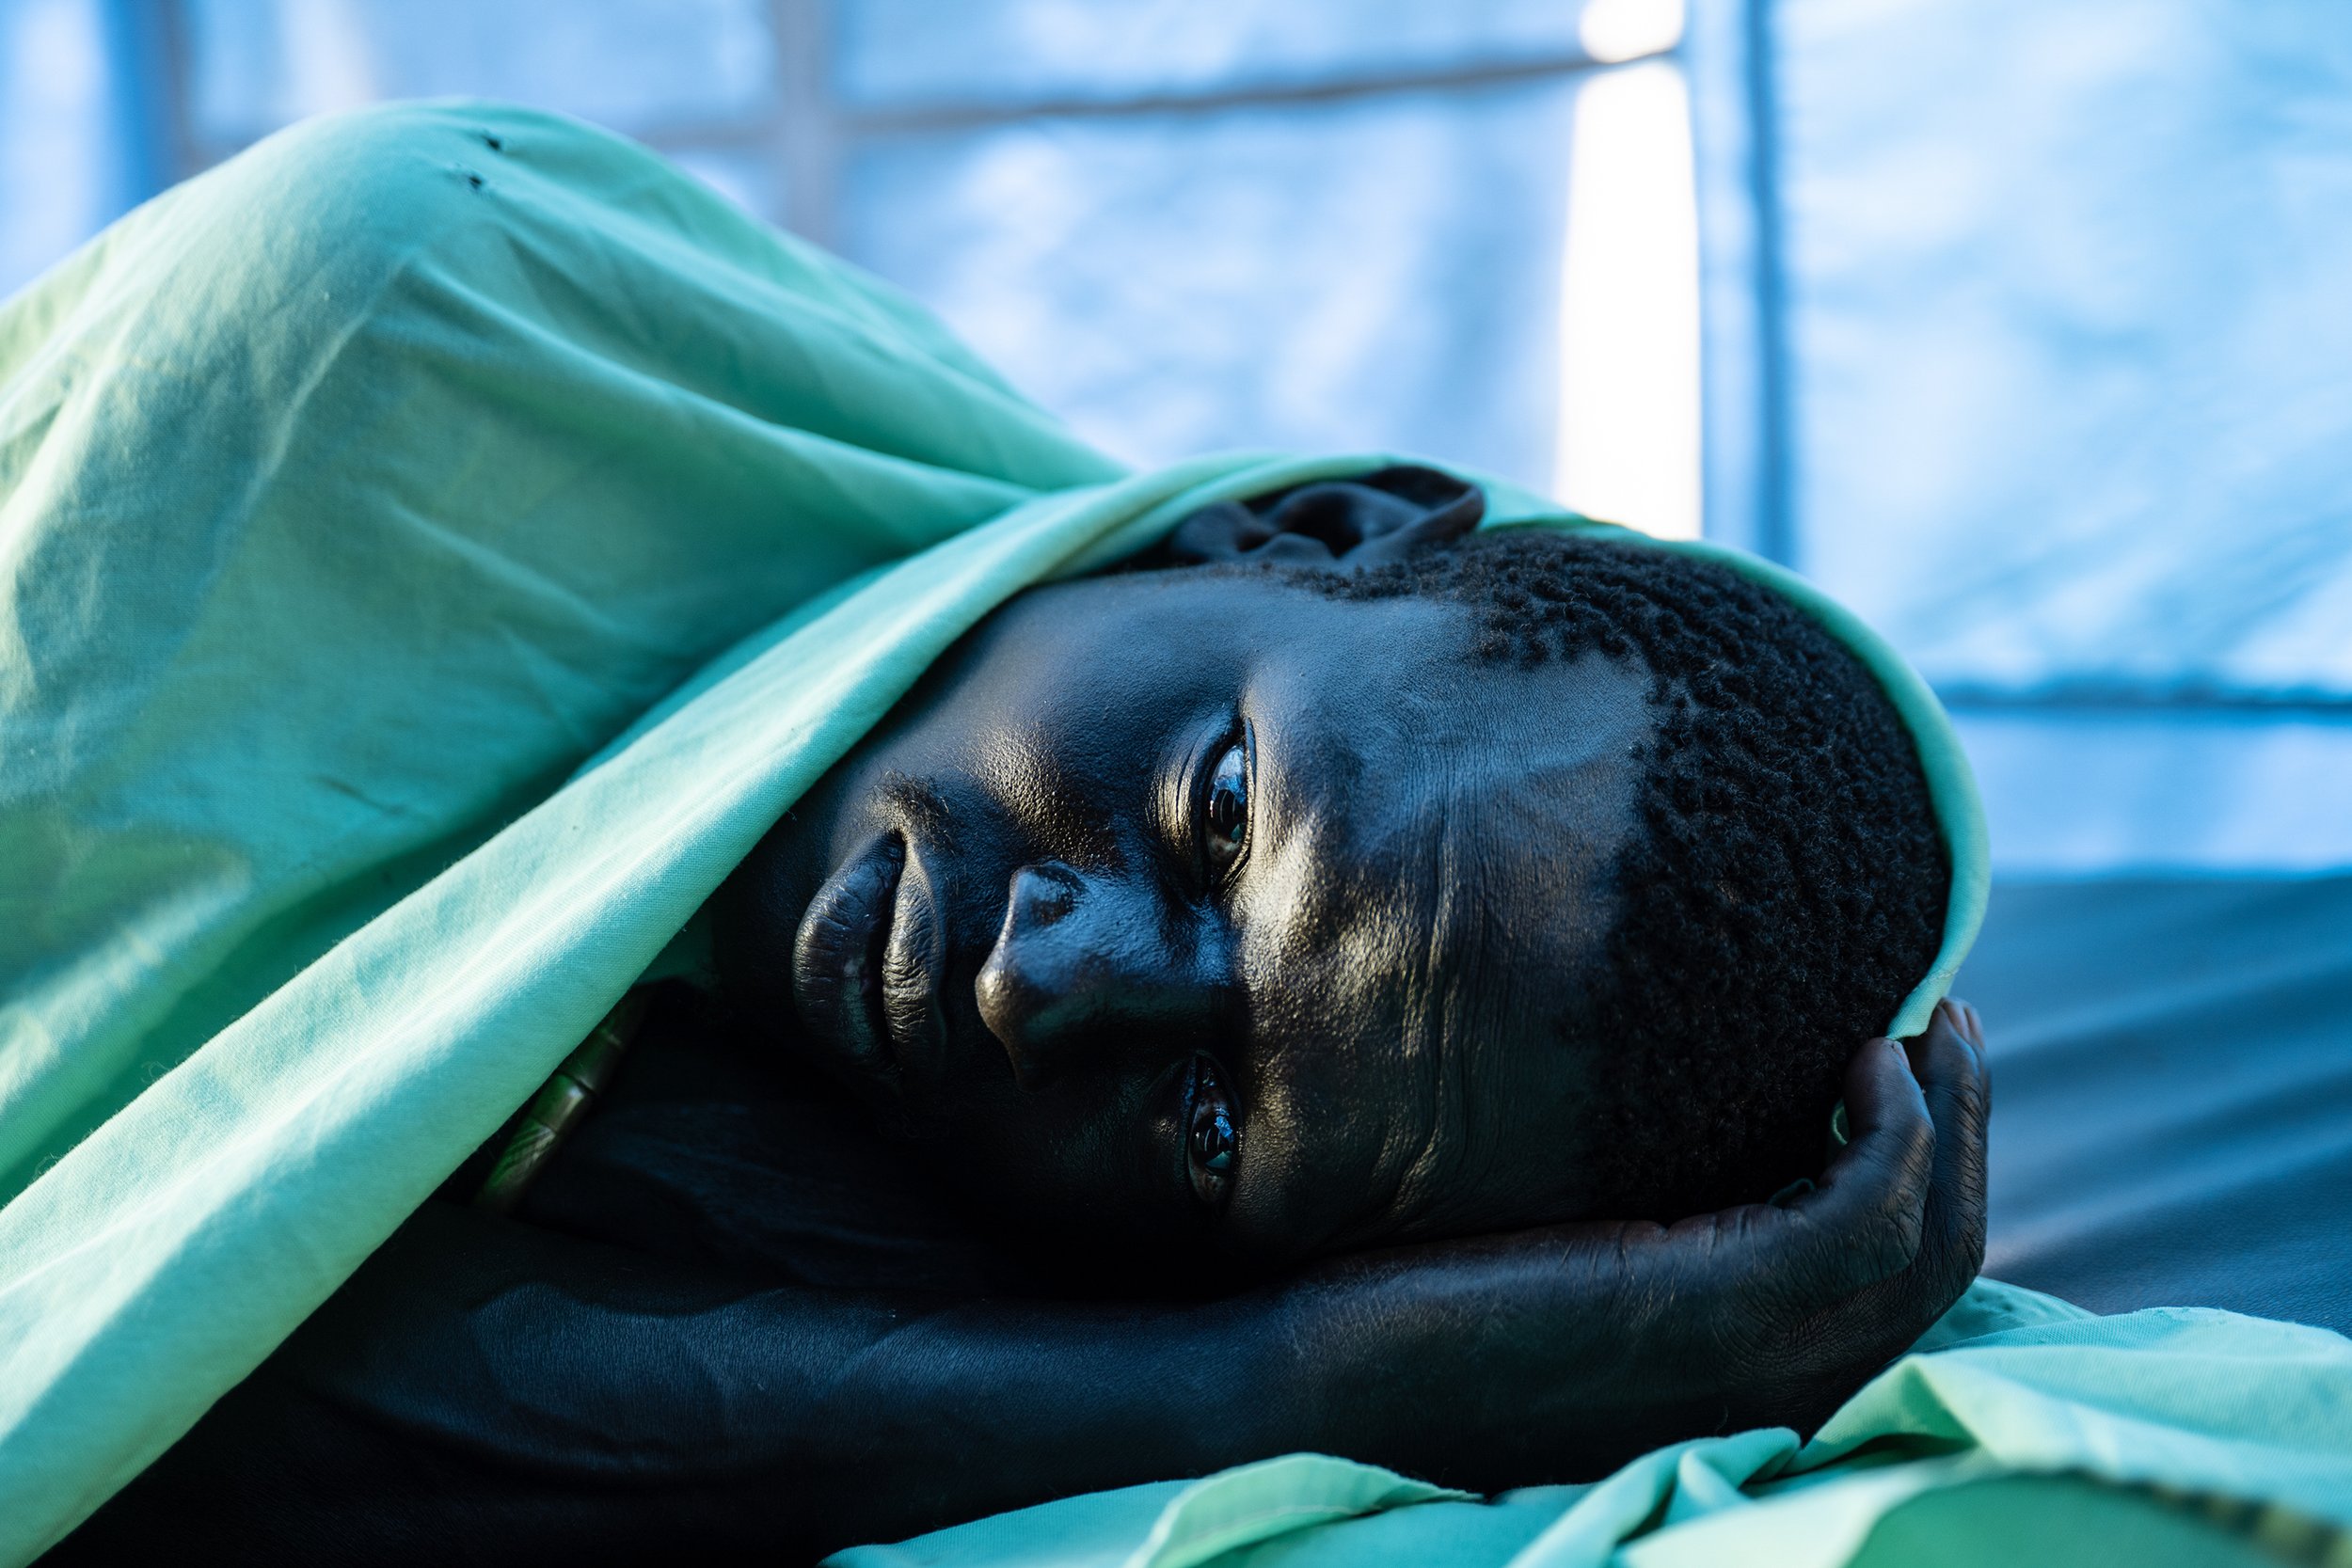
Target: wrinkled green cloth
{"x": 2023, "y": 1431}
{"x": 435, "y": 545}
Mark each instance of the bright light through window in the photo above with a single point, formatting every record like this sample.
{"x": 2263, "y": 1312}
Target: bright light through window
{"x": 1613, "y": 30}
{"x": 1627, "y": 448}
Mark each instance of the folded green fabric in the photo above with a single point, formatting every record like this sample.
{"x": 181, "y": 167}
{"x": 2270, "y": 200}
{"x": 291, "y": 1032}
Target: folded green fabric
{"x": 2025, "y": 1431}
{"x": 437, "y": 544}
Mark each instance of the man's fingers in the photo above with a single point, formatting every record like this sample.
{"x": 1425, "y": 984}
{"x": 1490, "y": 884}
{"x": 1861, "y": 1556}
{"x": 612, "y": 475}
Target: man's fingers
{"x": 1947, "y": 1057}
{"x": 1882, "y": 1093}
{"x": 1949, "y": 1060}
{"x": 1859, "y": 1268}
{"x": 1896, "y": 1225}
{"x": 1868, "y": 1212}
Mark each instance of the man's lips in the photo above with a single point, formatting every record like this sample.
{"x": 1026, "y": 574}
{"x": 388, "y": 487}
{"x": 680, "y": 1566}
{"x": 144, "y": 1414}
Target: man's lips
{"x": 914, "y": 958}
{"x": 865, "y": 967}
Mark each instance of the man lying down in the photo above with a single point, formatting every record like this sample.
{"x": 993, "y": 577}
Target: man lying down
{"x": 1261, "y": 995}
{"x": 1081, "y": 1050}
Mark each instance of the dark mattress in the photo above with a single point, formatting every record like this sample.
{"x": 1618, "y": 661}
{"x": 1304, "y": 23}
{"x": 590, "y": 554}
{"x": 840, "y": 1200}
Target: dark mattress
{"x": 2173, "y": 1092}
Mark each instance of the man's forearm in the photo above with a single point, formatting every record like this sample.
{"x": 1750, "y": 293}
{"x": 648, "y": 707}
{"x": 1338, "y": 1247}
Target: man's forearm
{"x": 548, "y": 1399}
{"x": 552, "y": 1400}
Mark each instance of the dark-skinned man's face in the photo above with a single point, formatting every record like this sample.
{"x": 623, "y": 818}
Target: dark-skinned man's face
{"x": 1193, "y": 915}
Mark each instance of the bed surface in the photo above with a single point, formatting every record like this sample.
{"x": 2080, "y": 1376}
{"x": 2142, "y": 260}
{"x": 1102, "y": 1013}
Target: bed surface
{"x": 2173, "y": 1092}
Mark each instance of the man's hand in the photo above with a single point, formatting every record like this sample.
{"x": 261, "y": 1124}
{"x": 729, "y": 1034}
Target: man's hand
{"x": 1559, "y": 1354}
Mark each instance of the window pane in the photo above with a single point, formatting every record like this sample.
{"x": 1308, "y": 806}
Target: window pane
{"x": 1373, "y": 273}
{"x": 632, "y": 64}
{"x": 64, "y": 166}
{"x": 2072, "y": 793}
{"x": 2071, "y": 337}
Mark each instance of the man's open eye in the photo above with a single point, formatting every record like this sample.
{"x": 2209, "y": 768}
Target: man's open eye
{"x": 1225, "y": 813}
{"x": 1211, "y": 1140}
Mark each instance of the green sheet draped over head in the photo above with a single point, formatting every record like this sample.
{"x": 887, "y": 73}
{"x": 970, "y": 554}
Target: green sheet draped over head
{"x": 437, "y": 544}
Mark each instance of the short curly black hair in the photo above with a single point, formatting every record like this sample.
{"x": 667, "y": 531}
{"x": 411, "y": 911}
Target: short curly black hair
{"x": 1788, "y": 890}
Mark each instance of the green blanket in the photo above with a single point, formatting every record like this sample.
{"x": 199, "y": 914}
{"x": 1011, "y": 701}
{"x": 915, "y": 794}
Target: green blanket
{"x": 437, "y": 544}
{"x": 2022, "y": 1430}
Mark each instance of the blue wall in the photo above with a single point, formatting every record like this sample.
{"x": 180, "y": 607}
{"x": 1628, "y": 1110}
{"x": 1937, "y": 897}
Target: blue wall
{"x": 2033, "y": 342}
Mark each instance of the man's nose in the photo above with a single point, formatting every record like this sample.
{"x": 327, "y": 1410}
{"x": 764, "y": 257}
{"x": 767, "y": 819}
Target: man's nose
{"x": 1086, "y": 967}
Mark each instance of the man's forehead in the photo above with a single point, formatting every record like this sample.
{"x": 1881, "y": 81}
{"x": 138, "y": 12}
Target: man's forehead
{"x": 1461, "y": 766}
{"x": 1442, "y": 898}
{"x": 1392, "y": 885}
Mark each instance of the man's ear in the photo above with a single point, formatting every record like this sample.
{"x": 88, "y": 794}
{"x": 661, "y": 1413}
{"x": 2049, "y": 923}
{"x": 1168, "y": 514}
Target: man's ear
{"x": 1343, "y": 523}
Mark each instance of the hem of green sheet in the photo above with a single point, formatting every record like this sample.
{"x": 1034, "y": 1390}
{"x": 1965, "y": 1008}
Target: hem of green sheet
{"x": 1274, "y": 1496}
{"x": 1195, "y": 1521}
